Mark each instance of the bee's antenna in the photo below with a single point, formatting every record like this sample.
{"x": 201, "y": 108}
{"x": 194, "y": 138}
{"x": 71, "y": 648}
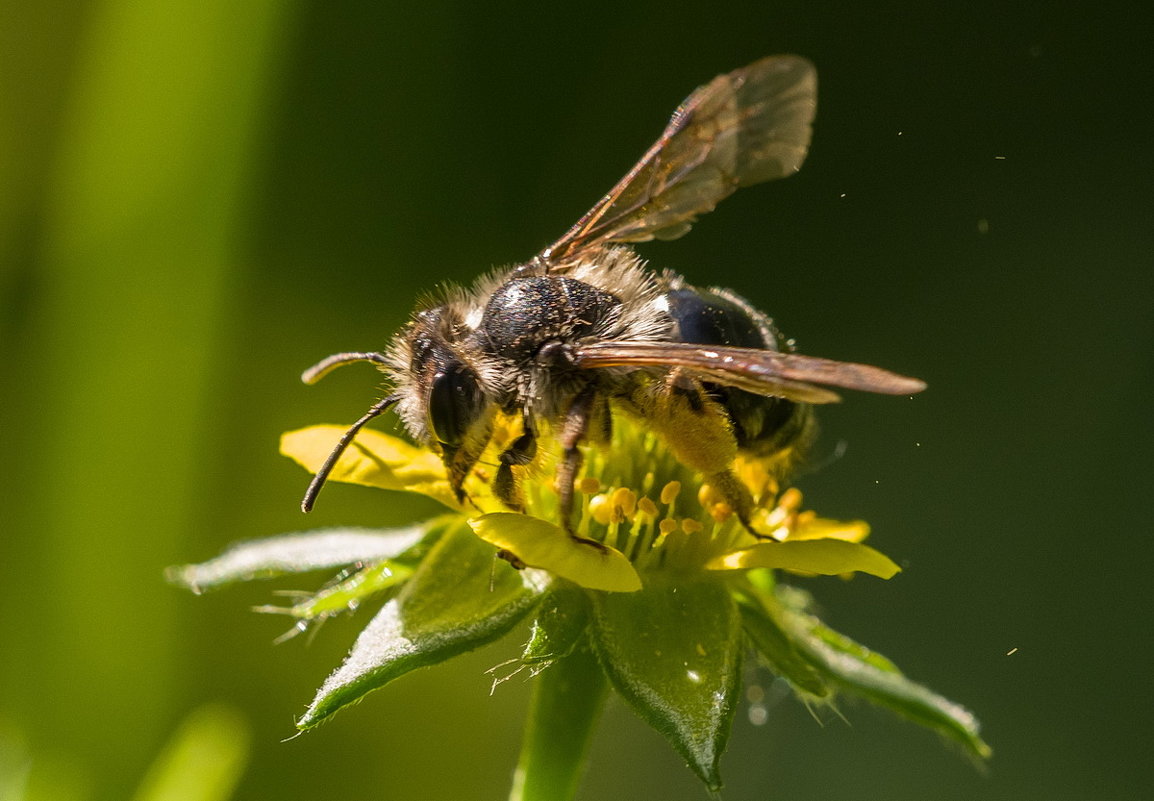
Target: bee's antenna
{"x": 323, "y": 474}
{"x": 315, "y": 374}
{"x": 330, "y": 363}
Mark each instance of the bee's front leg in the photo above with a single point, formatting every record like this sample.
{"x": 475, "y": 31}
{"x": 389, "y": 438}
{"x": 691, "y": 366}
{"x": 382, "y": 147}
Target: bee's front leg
{"x": 521, "y": 452}
{"x": 573, "y": 431}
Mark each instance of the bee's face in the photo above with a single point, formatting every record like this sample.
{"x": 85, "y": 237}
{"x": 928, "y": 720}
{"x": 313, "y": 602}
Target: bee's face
{"x": 439, "y": 388}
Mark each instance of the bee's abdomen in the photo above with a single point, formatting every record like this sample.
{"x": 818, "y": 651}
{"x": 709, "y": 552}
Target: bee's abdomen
{"x": 763, "y": 425}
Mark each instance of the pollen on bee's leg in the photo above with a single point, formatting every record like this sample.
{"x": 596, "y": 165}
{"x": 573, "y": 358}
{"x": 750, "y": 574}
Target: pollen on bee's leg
{"x": 721, "y": 511}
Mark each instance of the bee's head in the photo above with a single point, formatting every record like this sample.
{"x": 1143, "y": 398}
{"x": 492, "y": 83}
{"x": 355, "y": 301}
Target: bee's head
{"x": 445, "y": 402}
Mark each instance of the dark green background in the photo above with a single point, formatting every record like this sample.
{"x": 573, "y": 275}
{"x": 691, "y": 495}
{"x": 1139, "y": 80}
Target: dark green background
{"x": 197, "y": 200}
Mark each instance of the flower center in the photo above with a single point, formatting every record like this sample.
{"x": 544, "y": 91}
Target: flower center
{"x": 635, "y": 496}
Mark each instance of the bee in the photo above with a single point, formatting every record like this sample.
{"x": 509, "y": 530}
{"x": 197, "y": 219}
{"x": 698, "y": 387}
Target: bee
{"x": 585, "y": 329}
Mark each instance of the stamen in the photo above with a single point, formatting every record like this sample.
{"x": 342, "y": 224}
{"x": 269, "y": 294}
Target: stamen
{"x": 625, "y": 501}
{"x": 600, "y": 509}
{"x": 589, "y": 485}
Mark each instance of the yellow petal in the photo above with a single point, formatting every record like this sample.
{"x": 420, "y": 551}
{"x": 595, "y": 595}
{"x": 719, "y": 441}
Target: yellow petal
{"x": 829, "y": 557}
{"x": 538, "y": 543}
{"x": 823, "y": 529}
{"x": 372, "y": 460}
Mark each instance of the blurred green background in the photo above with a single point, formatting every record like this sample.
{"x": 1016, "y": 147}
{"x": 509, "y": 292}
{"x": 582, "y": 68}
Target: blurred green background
{"x": 197, "y": 200}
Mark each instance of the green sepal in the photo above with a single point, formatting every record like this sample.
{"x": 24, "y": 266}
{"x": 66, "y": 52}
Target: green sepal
{"x": 860, "y": 671}
{"x": 674, "y": 653}
{"x": 458, "y": 599}
{"x": 761, "y": 619}
{"x": 558, "y": 626}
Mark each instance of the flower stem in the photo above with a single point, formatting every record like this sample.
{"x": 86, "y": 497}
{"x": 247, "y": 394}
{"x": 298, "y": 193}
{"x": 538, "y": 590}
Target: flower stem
{"x": 567, "y": 698}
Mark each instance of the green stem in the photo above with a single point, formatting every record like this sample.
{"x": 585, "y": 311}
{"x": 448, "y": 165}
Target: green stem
{"x": 567, "y": 698}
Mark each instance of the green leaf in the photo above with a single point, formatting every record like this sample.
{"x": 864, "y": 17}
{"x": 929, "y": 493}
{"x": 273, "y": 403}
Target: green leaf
{"x": 870, "y": 675}
{"x": 559, "y": 625}
{"x": 829, "y": 557}
{"x": 674, "y": 653}
{"x": 458, "y": 599}
{"x": 539, "y": 543}
{"x": 296, "y": 553}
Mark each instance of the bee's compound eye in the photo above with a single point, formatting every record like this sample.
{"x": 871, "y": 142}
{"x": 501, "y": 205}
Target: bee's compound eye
{"x": 455, "y": 403}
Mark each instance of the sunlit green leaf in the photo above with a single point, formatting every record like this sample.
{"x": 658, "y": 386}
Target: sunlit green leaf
{"x": 537, "y": 543}
{"x": 674, "y": 653}
{"x": 455, "y": 601}
{"x": 828, "y": 557}
{"x": 297, "y": 553}
{"x": 373, "y": 460}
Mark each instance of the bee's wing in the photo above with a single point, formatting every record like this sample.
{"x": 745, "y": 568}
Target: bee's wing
{"x": 747, "y": 126}
{"x": 764, "y": 372}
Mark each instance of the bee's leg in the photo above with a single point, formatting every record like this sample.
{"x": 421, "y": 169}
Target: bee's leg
{"x": 458, "y": 470}
{"x": 736, "y": 495}
{"x": 521, "y": 452}
{"x": 460, "y": 459}
{"x": 699, "y": 432}
{"x": 573, "y": 430}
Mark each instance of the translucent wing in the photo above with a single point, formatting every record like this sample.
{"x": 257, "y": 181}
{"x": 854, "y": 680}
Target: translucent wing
{"x": 764, "y": 372}
{"x": 748, "y": 126}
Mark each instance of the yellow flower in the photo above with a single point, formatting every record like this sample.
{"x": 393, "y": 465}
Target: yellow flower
{"x": 652, "y": 515}
{"x": 663, "y": 608}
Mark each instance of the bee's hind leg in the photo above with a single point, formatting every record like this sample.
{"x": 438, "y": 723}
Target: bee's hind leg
{"x": 737, "y": 496}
